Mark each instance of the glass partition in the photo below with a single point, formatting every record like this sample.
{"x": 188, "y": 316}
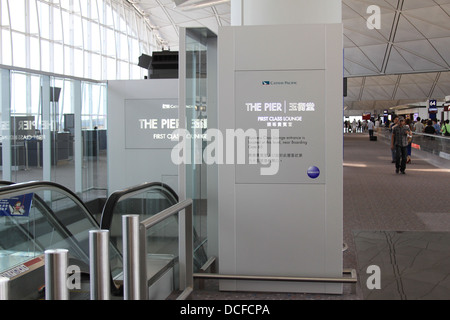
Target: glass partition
{"x": 432, "y": 147}
{"x": 144, "y": 200}
{"x": 198, "y": 82}
{"x": 54, "y": 129}
{"x": 434, "y": 144}
{"x": 93, "y": 126}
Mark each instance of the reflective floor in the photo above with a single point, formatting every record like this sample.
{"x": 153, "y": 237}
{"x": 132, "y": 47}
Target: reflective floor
{"x": 413, "y": 265}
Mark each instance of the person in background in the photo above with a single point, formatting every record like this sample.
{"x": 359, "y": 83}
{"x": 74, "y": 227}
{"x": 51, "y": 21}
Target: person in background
{"x": 408, "y": 158}
{"x": 399, "y": 141}
{"x": 436, "y": 126}
{"x": 377, "y": 124}
{"x": 391, "y": 126}
{"x": 418, "y": 126}
{"x": 445, "y": 130}
{"x": 370, "y": 127}
{"x": 429, "y": 129}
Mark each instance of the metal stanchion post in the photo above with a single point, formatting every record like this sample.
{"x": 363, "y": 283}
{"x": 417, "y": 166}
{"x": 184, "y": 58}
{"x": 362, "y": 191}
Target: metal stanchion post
{"x": 4, "y": 288}
{"x": 100, "y": 285}
{"x": 131, "y": 258}
{"x": 56, "y": 262}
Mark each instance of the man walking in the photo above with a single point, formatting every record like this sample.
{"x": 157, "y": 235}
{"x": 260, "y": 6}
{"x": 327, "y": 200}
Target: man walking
{"x": 391, "y": 126}
{"x": 399, "y": 141}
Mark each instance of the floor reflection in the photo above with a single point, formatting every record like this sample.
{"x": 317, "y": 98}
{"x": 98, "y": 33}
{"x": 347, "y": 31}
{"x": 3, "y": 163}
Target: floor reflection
{"x": 413, "y": 265}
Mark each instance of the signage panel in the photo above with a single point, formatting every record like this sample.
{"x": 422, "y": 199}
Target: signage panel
{"x": 149, "y": 123}
{"x": 292, "y": 102}
{"x": 432, "y": 106}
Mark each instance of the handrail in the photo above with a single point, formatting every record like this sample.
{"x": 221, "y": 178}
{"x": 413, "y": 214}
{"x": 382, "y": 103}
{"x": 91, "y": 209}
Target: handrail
{"x": 166, "y": 213}
{"x": 31, "y": 186}
{"x": 351, "y": 279}
{"x": 115, "y": 197}
{"x": 186, "y": 249}
{"x": 6, "y": 183}
{"x": 431, "y": 135}
{"x": 385, "y": 131}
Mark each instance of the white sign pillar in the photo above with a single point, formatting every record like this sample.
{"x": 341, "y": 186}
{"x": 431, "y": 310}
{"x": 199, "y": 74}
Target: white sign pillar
{"x": 284, "y": 82}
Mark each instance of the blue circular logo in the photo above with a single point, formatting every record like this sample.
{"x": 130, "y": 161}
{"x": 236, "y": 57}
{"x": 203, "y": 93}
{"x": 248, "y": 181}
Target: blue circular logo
{"x": 313, "y": 172}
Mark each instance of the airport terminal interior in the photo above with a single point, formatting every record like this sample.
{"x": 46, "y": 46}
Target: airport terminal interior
{"x": 121, "y": 179}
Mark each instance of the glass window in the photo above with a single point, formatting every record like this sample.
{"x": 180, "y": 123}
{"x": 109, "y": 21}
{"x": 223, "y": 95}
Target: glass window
{"x": 34, "y": 25}
{"x": 123, "y": 46}
{"x": 111, "y": 68}
{"x": 96, "y": 72}
{"x": 19, "y": 50}
{"x": 78, "y": 63}
{"x": 18, "y": 96}
{"x": 108, "y": 15}
{"x": 6, "y": 48}
{"x": 58, "y": 58}
{"x": 77, "y": 29}
{"x": 95, "y": 44}
{"x": 66, "y": 18}
{"x": 110, "y": 43}
{"x": 25, "y": 127}
{"x": 57, "y": 25}
{"x": 35, "y": 54}
{"x": 65, "y": 4}
{"x": 18, "y": 22}
{"x": 45, "y": 53}
{"x": 44, "y": 18}
{"x": 104, "y": 27}
{"x": 4, "y": 13}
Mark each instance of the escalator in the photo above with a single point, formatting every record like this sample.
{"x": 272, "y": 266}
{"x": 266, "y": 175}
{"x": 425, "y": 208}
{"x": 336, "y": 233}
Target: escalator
{"x": 37, "y": 216}
{"x": 147, "y": 200}
{"x": 50, "y": 216}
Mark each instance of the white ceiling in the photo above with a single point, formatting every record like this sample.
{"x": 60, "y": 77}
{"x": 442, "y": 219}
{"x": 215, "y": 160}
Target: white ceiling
{"x": 407, "y": 60}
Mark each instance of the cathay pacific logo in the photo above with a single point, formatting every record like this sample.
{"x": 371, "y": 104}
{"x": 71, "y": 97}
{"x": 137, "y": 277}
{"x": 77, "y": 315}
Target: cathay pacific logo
{"x": 278, "y": 83}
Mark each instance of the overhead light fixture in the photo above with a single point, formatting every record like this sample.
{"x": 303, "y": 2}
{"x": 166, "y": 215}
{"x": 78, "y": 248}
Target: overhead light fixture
{"x": 196, "y": 4}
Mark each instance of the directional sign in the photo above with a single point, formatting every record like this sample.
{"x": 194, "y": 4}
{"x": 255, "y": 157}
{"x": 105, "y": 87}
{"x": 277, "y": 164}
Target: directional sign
{"x": 432, "y": 106}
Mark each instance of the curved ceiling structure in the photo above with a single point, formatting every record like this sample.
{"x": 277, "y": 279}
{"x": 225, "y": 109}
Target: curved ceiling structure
{"x": 398, "y": 57}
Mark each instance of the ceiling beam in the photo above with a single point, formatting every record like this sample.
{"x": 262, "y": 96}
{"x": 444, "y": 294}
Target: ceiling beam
{"x": 436, "y": 79}
{"x": 391, "y": 40}
{"x": 397, "y": 83}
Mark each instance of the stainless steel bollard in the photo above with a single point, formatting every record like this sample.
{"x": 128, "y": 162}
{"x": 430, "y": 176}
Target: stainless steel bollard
{"x": 99, "y": 266}
{"x": 131, "y": 258}
{"x": 56, "y": 262}
{"x": 4, "y": 288}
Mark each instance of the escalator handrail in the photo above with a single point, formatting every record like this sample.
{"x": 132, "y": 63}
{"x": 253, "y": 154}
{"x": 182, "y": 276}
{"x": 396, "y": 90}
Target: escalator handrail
{"x": 6, "y": 183}
{"x": 115, "y": 197}
{"x": 32, "y": 186}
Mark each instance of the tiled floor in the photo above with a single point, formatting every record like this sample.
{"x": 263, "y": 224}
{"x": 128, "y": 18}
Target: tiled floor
{"x": 413, "y": 265}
